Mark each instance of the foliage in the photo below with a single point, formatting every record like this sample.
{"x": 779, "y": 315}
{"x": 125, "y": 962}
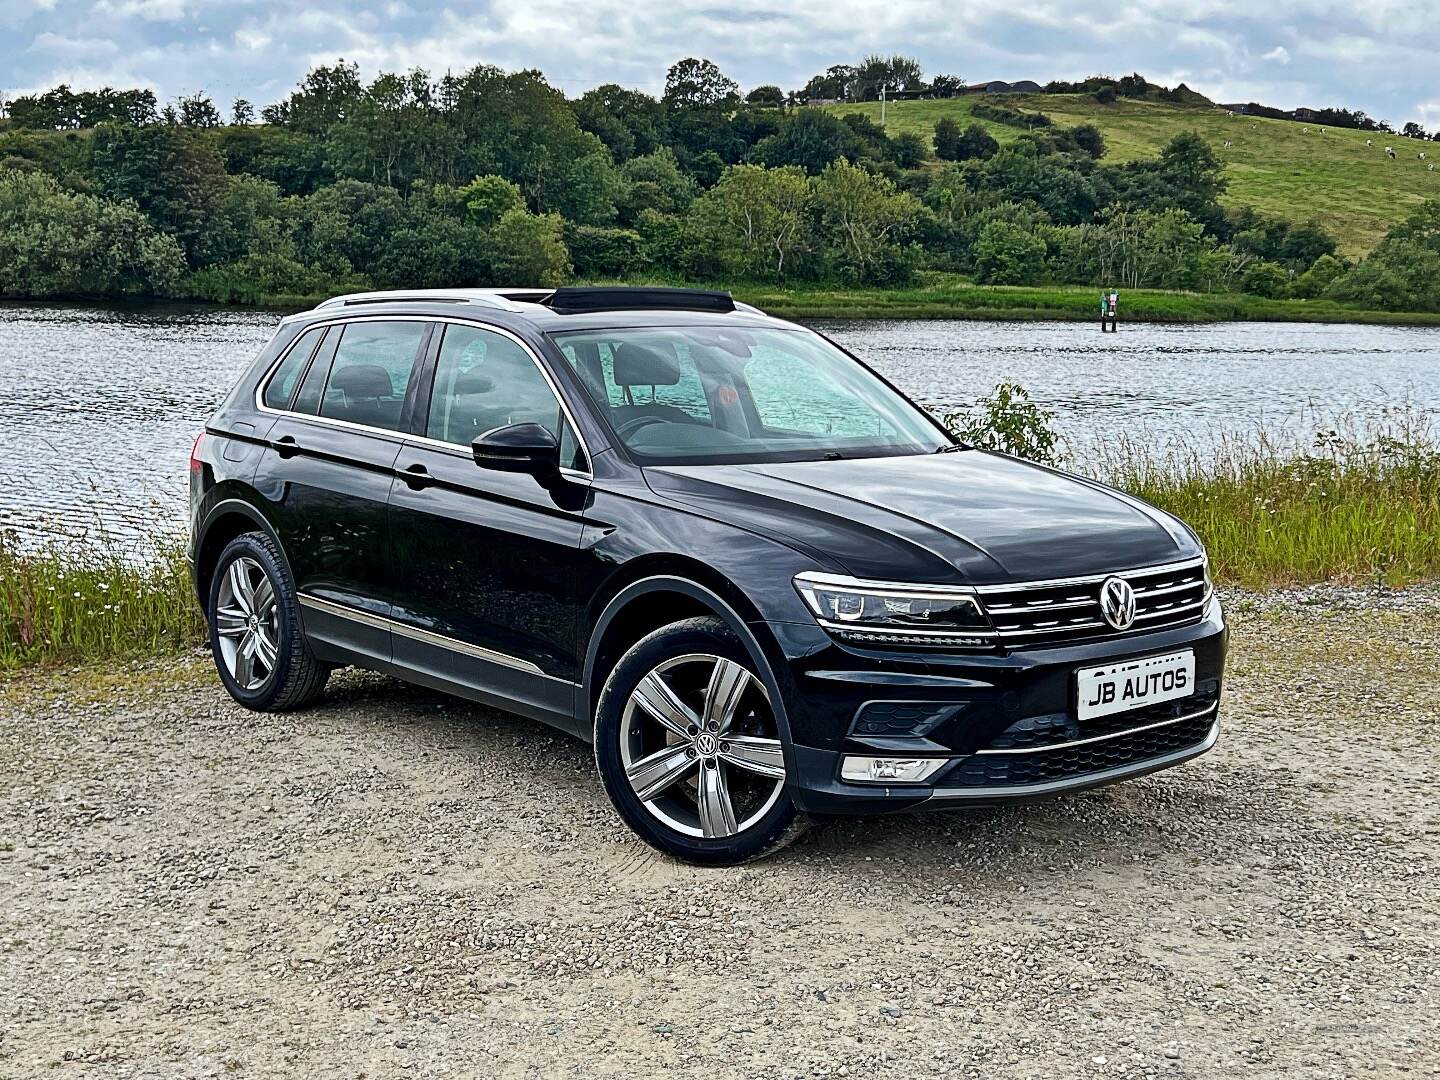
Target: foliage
{"x": 1360, "y": 505}
{"x": 754, "y": 223}
{"x": 529, "y": 249}
{"x": 57, "y": 243}
{"x": 864, "y": 222}
{"x": 699, "y": 84}
{"x": 1008, "y": 421}
{"x": 95, "y": 599}
{"x": 1008, "y": 254}
{"x": 1266, "y": 279}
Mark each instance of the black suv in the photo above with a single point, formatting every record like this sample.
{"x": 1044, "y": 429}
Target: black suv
{"x": 760, "y": 580}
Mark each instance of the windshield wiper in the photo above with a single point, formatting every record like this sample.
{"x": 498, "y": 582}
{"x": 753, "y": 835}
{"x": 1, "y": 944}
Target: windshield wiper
{"x": 953, "y": 447}
{"x": 832, "y": 455}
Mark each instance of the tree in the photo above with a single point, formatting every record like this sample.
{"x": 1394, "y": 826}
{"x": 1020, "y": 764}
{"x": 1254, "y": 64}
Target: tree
{"x": 177, "y": 178}
{"x": 489, "y": 198}
{"x": 1089, "y": 139}
{"x": 699, "y": 84}
{"x": 1265, "y": 279}
{"x": 326, "y": 96}
{"x": 766, "y": 97}
{"x": 947, "y": 139}
{"x": 242, "y": 113}
{"x": 908, "y": 150}
{"x": 655, "y": 182}
{"x": 529, "y": 249}
{"x": 1008, "y": 254}
{"x": 865, "y": 222}
{"x": 57, "y": 243}
{"x": 1412, "y": 130}
{"x": 198, "y": 111}
{"x": 888, "y": 73}
{"x": 947, "y": 86}
{"x": 836, "y": 83}
{"x": 754, "y": 222}
{"x": 1315, "y": 281}
{"x": 630, "y": 123}
{"x": 810, "y": 139}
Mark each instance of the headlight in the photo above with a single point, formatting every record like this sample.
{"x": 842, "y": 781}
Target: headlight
{"x": 880, "y": 613}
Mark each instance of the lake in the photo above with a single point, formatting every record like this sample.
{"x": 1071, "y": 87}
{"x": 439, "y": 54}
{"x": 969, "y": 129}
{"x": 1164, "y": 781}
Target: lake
{"x": 99, "y": 405}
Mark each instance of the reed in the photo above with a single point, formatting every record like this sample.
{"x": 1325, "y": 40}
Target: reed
{"x": 94, "y": 597}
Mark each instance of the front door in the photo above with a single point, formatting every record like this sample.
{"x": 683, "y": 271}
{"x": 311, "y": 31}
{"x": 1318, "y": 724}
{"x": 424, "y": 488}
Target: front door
{"x": 327, "y": 474}
{"x": 485, "y": 588}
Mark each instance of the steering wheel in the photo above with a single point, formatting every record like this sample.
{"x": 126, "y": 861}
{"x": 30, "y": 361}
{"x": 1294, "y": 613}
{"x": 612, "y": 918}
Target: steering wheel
{"x": 635, "y": 423}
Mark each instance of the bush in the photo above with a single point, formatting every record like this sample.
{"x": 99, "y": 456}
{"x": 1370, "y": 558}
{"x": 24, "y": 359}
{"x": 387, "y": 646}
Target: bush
{"x": 597, "y": 251}
{"x": 1008, "y": 254}
{"x": 529, "y": 249}
{"x": 1008, "y": 421}
{"x": 1267, "y": 279}
{"x": 1315, "y": 281}
{"x": 56, "y": 243}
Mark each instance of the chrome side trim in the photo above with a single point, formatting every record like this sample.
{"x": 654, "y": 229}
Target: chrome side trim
{"x": 1101, "y": 738}
{"x": 428, "y": 637}
{"x": 391, "y": 433}
{"x": 1093, "y": 579}
{"x": 1084, "y": 780}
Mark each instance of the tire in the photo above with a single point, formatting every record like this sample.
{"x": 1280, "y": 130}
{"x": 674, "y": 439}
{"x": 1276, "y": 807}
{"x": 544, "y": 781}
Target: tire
{"x": 282, "y": 673}
{"x": 715, "y": 801}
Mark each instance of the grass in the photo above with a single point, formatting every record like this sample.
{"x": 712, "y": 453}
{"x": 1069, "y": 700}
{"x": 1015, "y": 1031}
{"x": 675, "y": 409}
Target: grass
{"x": 1351, "y": 189}
{"x": 1359, "y": 510}
{"x": 64, "y": 600}
{"x": 949, "y": 296}
{"x": 1358, "y": 507}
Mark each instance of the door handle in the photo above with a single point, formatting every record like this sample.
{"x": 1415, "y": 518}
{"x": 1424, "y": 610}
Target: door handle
{"x": 417, "y": 476}
{"x": 286, "y": 446}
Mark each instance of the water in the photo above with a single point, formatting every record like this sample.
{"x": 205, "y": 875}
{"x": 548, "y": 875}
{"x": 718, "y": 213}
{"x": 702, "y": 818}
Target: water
{"x": 98, "y": 406}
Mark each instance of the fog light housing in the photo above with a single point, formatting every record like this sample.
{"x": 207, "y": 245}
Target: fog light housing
{"x": 889, "y": 770}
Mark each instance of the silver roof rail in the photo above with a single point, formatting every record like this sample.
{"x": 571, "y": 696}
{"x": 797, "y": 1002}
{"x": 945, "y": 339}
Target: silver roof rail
{"x": 504, "y": 299}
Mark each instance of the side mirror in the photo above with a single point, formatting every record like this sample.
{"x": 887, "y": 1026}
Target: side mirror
{"x": 518, "y": 448}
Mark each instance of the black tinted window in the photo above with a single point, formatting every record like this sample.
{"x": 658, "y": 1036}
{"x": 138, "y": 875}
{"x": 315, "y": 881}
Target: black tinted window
{"x": 484, "y": 380}
{"x": 370, "y": 372}
{"x": 282, "y": 383}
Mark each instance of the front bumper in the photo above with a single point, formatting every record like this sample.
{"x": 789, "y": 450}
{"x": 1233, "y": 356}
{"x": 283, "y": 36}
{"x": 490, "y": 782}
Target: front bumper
{"x": 1004, "y": 724}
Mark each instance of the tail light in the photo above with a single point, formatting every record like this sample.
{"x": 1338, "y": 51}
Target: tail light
{"x": 195, "y": 463}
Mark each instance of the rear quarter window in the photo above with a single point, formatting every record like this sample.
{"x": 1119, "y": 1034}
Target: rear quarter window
{"x": 281, "y": 387}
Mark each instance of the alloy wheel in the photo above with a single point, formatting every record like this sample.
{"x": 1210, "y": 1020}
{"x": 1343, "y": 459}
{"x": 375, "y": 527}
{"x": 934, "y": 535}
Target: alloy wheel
{"x": 700, "y": 746}
{"x": 247, "y": 623}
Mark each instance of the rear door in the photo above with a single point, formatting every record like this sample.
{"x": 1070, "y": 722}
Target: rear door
{"x": 328, "y": 471}
{"x": 485, "y": 598}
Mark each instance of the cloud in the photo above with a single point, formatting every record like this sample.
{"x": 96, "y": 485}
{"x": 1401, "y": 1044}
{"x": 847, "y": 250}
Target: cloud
{"x": 1377, "y": 55}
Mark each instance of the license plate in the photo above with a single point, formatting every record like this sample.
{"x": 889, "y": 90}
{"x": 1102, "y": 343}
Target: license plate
{"x": 1134, "y": 684}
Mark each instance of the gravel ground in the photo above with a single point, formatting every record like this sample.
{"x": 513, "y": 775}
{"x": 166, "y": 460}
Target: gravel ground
{"x": 397, "y": 885}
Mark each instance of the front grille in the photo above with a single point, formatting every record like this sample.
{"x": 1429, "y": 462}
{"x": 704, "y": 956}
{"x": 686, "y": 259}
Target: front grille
{"x": 1059, "y": 612}
{"x": 1063, "y": 763}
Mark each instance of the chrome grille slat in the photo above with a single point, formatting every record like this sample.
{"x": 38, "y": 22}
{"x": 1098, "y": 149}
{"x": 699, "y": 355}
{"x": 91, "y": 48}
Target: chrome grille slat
{"x": 1068, "y": 609}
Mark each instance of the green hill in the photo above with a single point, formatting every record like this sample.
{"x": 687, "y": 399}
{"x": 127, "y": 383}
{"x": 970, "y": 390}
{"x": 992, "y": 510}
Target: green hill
{"x": 1355, "y": 191}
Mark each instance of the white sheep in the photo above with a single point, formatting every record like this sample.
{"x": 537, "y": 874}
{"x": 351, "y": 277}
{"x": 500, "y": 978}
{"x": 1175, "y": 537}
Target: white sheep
{"x": 1390, "y": 152}
{"x": 1369, "y": 142}
{"x": 1422, "y": 155}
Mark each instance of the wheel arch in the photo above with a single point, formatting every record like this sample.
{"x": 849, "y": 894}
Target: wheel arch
{"x": 225, "y": 521}
{"x": 657, "y": 592}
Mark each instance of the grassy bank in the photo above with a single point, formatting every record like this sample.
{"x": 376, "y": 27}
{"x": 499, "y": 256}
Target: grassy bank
{"x": 1349, "y": 509}
{"x": 948, "y": 296}
{"x": 938, "y": 295}
{"x": 64, "y": 601}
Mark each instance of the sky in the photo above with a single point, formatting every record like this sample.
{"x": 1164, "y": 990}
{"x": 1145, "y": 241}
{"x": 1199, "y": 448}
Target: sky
{"x": 1382, "y": 56}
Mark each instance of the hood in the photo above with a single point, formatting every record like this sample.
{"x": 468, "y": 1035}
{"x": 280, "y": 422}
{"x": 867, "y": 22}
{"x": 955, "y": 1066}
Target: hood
{"x": 922, "y": 518}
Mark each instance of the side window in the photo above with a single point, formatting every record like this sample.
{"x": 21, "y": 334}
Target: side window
{"x": 792, "y": 395}
{"x": 282, "y": 383}
{"x": 484, "y": 380}
{"x": 370, "y": 372}
{"x": 571, "y": 454}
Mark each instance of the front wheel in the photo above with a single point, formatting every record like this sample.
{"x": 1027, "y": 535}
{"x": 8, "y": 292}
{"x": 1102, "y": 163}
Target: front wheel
{"x": 689, "y": 749}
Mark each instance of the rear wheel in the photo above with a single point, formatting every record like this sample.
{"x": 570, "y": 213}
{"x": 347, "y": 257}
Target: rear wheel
{"x": 261, "y": 654}
{"x": 689, "y": 748}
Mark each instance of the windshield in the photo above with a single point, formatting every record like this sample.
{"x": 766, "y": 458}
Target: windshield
{"x": 704, "y": 395}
